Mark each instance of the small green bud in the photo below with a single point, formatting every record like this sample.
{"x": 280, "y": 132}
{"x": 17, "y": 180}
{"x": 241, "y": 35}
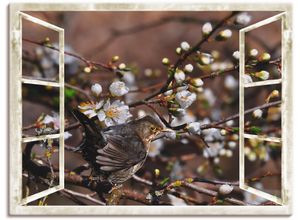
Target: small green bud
{"x": 165, "y": 61}
{"x": 224, "y": 35}
{"x": 115, "y": 59}
{"x": 157, "y": 172}
{"x": 264, "y": 57}
{"x": 178, "y": 50}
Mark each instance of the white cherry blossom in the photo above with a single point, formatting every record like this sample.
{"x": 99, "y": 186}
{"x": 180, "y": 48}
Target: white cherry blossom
{"x": 185, "y": 98}
{"x": 118, "y": 88}
{"x": 114, "y": 113}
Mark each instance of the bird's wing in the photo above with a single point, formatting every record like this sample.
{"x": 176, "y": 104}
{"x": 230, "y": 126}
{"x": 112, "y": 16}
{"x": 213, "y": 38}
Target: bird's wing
{"x": 121, "y": 152}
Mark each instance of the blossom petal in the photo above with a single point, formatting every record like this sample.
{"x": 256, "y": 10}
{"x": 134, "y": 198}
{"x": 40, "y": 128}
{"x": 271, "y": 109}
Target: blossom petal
{"x": 106, "y": 105}
{"x": 90, "y": 113}
{"x": 48, "y": 119}
{"x": 109, "y": 122}
{"x": 101, "y": 115}
{"x": 99, "y": 104}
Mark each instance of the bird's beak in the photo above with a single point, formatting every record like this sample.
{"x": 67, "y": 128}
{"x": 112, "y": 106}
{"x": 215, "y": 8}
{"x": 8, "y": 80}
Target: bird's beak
{"x": 162, "y": 133}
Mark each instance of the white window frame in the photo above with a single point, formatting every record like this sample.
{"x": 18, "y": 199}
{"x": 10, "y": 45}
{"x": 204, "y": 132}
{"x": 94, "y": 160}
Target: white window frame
{"x": 16, "y": 208}
{"x": 285, "y": 35}
{"x": 60, "y": 85}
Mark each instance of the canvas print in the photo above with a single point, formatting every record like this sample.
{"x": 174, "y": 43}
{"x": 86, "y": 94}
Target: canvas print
{"x": 143, "y": 108}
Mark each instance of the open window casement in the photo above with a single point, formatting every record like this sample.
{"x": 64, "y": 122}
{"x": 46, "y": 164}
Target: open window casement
{"x": 279, "y": 84}
{"x": 55, "y": 85}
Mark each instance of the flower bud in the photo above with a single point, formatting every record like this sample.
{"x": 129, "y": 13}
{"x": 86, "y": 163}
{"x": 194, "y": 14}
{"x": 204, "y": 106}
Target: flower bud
{"x": 216, "y": 160}
{"x": 179, "y": 76}
{"x": 206, "y": 28}
{"x": 122, "y": 66}
{"x": 264, "y": 57}
{"x": 185, "y": 46}
{"x": 228, "y": 153}
{"x": 215, "y": 54}
{"x": 263, "y": 75}
{"x": 243, "y": 18}
{"x": 188, "y": 68}
{"x": 205, "y": 58}
{"x": 252, "y": 156}
{"x": 87, "y": 69}
{"x": 115, "y": 59}
{"x": 225, "y": 189}
{"x": 253, "y": 52}
{"x": 198, "y": 90}
{"x": 235, "y": 137}
{"x": 247, "y": 79}
{"x": 222, "y": 152}
{"x": 224, "y": 35}
{"x": 197, "y": 82}
{"x": 194, "y": 128}
{"x": 275, "y": 94}
{"x": 148, "y": 72}
{"x": 247, "y": 150}
{"x": 236, "y": 55}
{"x": 230, "y": 82}
{"x": 157, "y": 172}
{"x": 96, "y": 89}
{"x": 223, "y": 132}
{"x": 232, "y": 144}
{"x": 257, "y": 113}
{"x": 165, "y": 61}
{"x": 178, "y": 50}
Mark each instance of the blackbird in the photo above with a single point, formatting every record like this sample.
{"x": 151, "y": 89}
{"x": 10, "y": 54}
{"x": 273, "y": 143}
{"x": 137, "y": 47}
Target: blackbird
{"x": 117, "y": 152}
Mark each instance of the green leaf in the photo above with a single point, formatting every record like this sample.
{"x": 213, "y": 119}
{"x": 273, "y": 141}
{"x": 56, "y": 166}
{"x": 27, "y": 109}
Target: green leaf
{"x": 69, "y": 93}
{"x": 235, "y": 130}
{"x": 255, "y": 130}
{"x": 164, "y": 181}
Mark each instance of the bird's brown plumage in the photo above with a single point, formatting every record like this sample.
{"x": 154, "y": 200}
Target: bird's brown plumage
{"x": 117, "y": 152}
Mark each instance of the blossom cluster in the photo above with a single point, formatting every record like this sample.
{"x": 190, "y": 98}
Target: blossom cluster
{"x": 108, "y": 112}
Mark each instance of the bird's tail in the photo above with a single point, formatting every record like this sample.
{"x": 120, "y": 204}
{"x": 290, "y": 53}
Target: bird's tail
{"x": 93, "y": 133}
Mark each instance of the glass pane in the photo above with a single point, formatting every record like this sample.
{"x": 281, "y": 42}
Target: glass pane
{"x": 265, "y": 122}
{"x": 263, "y": 166}
{"x": 40, "y": 110}
{"x": 263, "y": 54}
{"x": 40, "y": 166}
{"x": 38, "y": 61}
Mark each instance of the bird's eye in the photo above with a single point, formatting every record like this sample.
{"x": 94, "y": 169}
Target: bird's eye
{"x": 153, "y": 128}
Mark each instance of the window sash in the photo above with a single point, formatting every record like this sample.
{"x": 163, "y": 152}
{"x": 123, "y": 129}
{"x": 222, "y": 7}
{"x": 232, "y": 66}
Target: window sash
{"x": 242, "y": 135}
{"x": 60, "y": 85}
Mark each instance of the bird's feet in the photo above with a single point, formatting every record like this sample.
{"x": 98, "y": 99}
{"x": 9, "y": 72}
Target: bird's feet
{"x": 116, "y": 187}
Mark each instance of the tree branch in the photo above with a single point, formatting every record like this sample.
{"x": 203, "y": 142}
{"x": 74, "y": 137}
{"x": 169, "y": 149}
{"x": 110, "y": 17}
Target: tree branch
{"x": 86, "y": 61}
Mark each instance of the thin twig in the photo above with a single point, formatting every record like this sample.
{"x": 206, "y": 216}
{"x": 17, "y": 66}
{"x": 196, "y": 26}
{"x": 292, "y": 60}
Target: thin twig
{"x": 194, "y": 49}
{"x": 83, "y": 196}
{"x": 183, "y": 58}
{"x": 86, "y": 61}
{"x": 82, "y": 91}
{"x": 232, "y": 117}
